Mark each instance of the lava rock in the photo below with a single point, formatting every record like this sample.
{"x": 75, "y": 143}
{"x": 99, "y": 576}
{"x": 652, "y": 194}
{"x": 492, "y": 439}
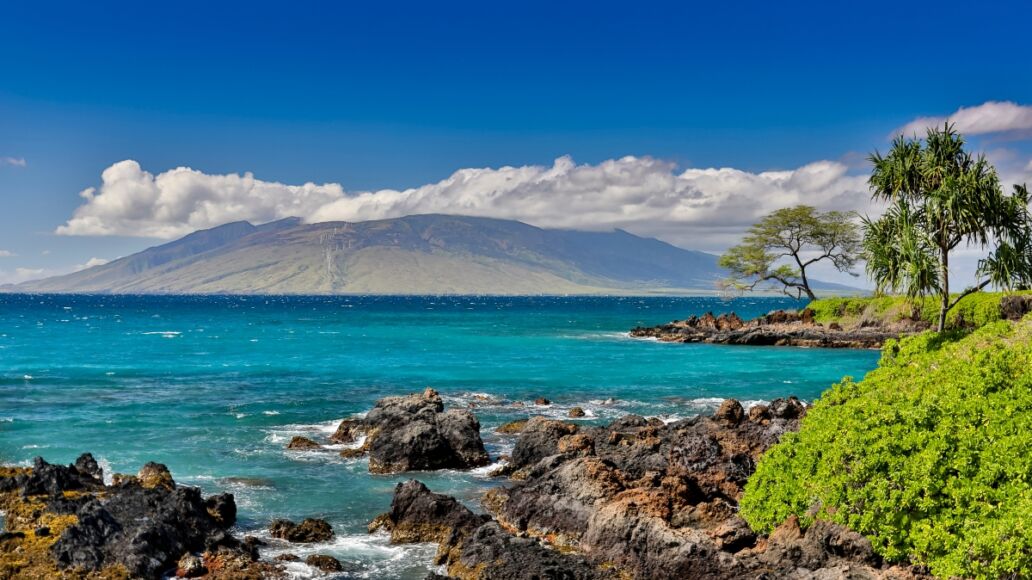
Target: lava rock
{"x": 299, "y": 443}
{"x": 324, "y": 563}
{"x": 309, "y": 531}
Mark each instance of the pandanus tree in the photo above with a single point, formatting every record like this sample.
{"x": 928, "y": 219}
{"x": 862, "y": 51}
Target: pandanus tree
{"x": 780, "y": 247}
{"x": 941, "y": 197}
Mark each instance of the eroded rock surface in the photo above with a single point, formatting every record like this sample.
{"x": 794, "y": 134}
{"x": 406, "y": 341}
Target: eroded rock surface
{"x": 62, "y": 521}
{"x": 634, "y": 499}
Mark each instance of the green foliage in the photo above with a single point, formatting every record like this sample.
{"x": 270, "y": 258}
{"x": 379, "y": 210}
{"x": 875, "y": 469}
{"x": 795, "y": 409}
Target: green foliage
{"x": 940, "y": 196}
{"x": 785, "y": 236}
{"x": 928, "y": 456}
{"x": 971, "y": 311}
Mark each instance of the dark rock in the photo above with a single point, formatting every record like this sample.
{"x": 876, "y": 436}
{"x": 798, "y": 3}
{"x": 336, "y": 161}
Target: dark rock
{"x": 542, "y": 401}
{"x": 414, "y": 432}
{"x": 145, "y": 525}
{"x": 539, "y": 439}
{"x": 53, "y": 480}
{"x": 641, "y": 499}
{"x": 778, "y": 328}
{"x": 576, "y": 413}
{"x": 309, "y": 531}
{"x": 299, "y": 443}
{"x": 324, "y": 563}
{"x": 288, "y": 558}
{"x": 419, "y": 515}
{"x": 222, "y": 508}
{"x": 1015, "y": 306}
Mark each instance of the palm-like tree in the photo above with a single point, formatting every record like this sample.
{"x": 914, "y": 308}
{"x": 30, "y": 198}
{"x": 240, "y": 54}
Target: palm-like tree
{"x": 941, "y": 197}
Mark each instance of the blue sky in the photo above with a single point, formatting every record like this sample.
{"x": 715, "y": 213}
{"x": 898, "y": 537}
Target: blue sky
{"x": 399, "y": 95}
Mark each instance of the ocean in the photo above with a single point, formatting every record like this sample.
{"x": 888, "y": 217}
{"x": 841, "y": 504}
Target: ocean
{"x": 215, "y": 386}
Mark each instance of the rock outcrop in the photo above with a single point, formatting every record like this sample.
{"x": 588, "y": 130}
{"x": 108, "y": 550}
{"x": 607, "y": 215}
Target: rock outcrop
{"x": 634, "y": 499}
{"x": 415, "y": 433}
{"x": 63, "y": 521}
{"x": 779, "y": 328}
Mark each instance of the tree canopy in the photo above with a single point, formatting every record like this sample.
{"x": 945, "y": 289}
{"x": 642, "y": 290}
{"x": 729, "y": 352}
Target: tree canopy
{"x": 940, "y": 197}
{"x": 781, "y": 246}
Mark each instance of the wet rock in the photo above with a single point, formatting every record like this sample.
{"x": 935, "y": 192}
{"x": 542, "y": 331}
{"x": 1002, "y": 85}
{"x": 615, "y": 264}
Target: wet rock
{"x": 512, "y": 427}
{"x": 190, "y": 566}
{"x": 541, "y": 401}
{"x": 414, "y": 432}
{"x": 324, "y": 563}
{"x": 287, "y": 558}
{"x": 299, "y": 443}
{"x": 576, "y": 413}
{"x": 309, "y": 531}
{"x": 347, "y": 432}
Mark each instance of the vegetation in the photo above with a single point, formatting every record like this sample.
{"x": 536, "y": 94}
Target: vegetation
{"x": 799, "y": 235}
{"x": 970, "y": 311}
{"x": 927, "y": 456}
{"x": 941, "y": 197}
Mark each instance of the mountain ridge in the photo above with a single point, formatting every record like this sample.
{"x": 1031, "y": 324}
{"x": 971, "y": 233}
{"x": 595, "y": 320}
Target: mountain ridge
{"x": 418, "y": 254}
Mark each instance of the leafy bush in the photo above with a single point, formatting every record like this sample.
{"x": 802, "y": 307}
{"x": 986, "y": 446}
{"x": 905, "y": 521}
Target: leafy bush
{"x": 973, "y": 311}
{"x": 928, "y": 456}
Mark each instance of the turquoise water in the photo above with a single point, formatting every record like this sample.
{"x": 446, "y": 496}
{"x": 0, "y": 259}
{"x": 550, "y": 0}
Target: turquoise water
{"x": 215, "y": 386}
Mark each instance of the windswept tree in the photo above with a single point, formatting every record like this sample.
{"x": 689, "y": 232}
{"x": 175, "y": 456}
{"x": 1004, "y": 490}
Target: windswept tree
{"x": 780, "y": 247}
{"x": 941, "y": 197}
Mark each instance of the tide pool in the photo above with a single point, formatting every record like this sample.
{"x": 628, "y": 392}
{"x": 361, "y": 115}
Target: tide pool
{"x": 214, "y": 387}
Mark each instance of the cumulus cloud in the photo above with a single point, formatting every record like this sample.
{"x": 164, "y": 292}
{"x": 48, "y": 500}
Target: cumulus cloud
{"x": 91, "y": 263}
{"x": 989, "y": 117}
{"x": 704, "y": 206}
{"x": 6, "y": 254}
{"x": 13, "y": 161}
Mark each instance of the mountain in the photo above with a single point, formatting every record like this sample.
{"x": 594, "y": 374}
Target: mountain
{"x": 421, "y": 254}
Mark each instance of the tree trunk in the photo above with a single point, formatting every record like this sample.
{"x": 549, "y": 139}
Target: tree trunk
{"x": 944, "y": 296}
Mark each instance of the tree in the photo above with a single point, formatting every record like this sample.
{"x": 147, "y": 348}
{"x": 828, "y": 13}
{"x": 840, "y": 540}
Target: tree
{"x": 800, "y": 236}
{"x": 940, "y": 197}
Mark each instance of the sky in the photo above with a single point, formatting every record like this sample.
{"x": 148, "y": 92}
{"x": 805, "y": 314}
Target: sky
{"x": 123, "y": 125}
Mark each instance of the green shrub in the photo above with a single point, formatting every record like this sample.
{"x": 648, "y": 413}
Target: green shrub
{"x": 930, "y": 456}
{"x": 973, "y": 311}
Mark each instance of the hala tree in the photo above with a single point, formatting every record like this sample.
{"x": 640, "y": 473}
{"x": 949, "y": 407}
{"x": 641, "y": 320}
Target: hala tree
{"x": 781, "y": 246}
{"x": 940, "y": 196}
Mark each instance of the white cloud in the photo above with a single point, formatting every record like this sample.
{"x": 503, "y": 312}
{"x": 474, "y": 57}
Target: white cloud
{"x": 705, "y": 207}
{"x": 989, "y": 117}
{"x": 90, "y": 263}
{"x": 20, "y": 275}
{"x": 6, "y": 254}
{"x": 13, "y": 161}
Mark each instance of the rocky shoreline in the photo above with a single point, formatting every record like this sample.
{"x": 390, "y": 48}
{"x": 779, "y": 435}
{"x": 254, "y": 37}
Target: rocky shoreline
{"x": 637, "y": 498}
{"x": 778, "y": 328}
{"x": 634, "y": 499}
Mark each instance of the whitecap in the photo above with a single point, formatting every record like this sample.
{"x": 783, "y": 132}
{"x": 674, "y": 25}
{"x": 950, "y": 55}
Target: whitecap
{"x": 270, "y": 412}
{"x": 163, "y": 333}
